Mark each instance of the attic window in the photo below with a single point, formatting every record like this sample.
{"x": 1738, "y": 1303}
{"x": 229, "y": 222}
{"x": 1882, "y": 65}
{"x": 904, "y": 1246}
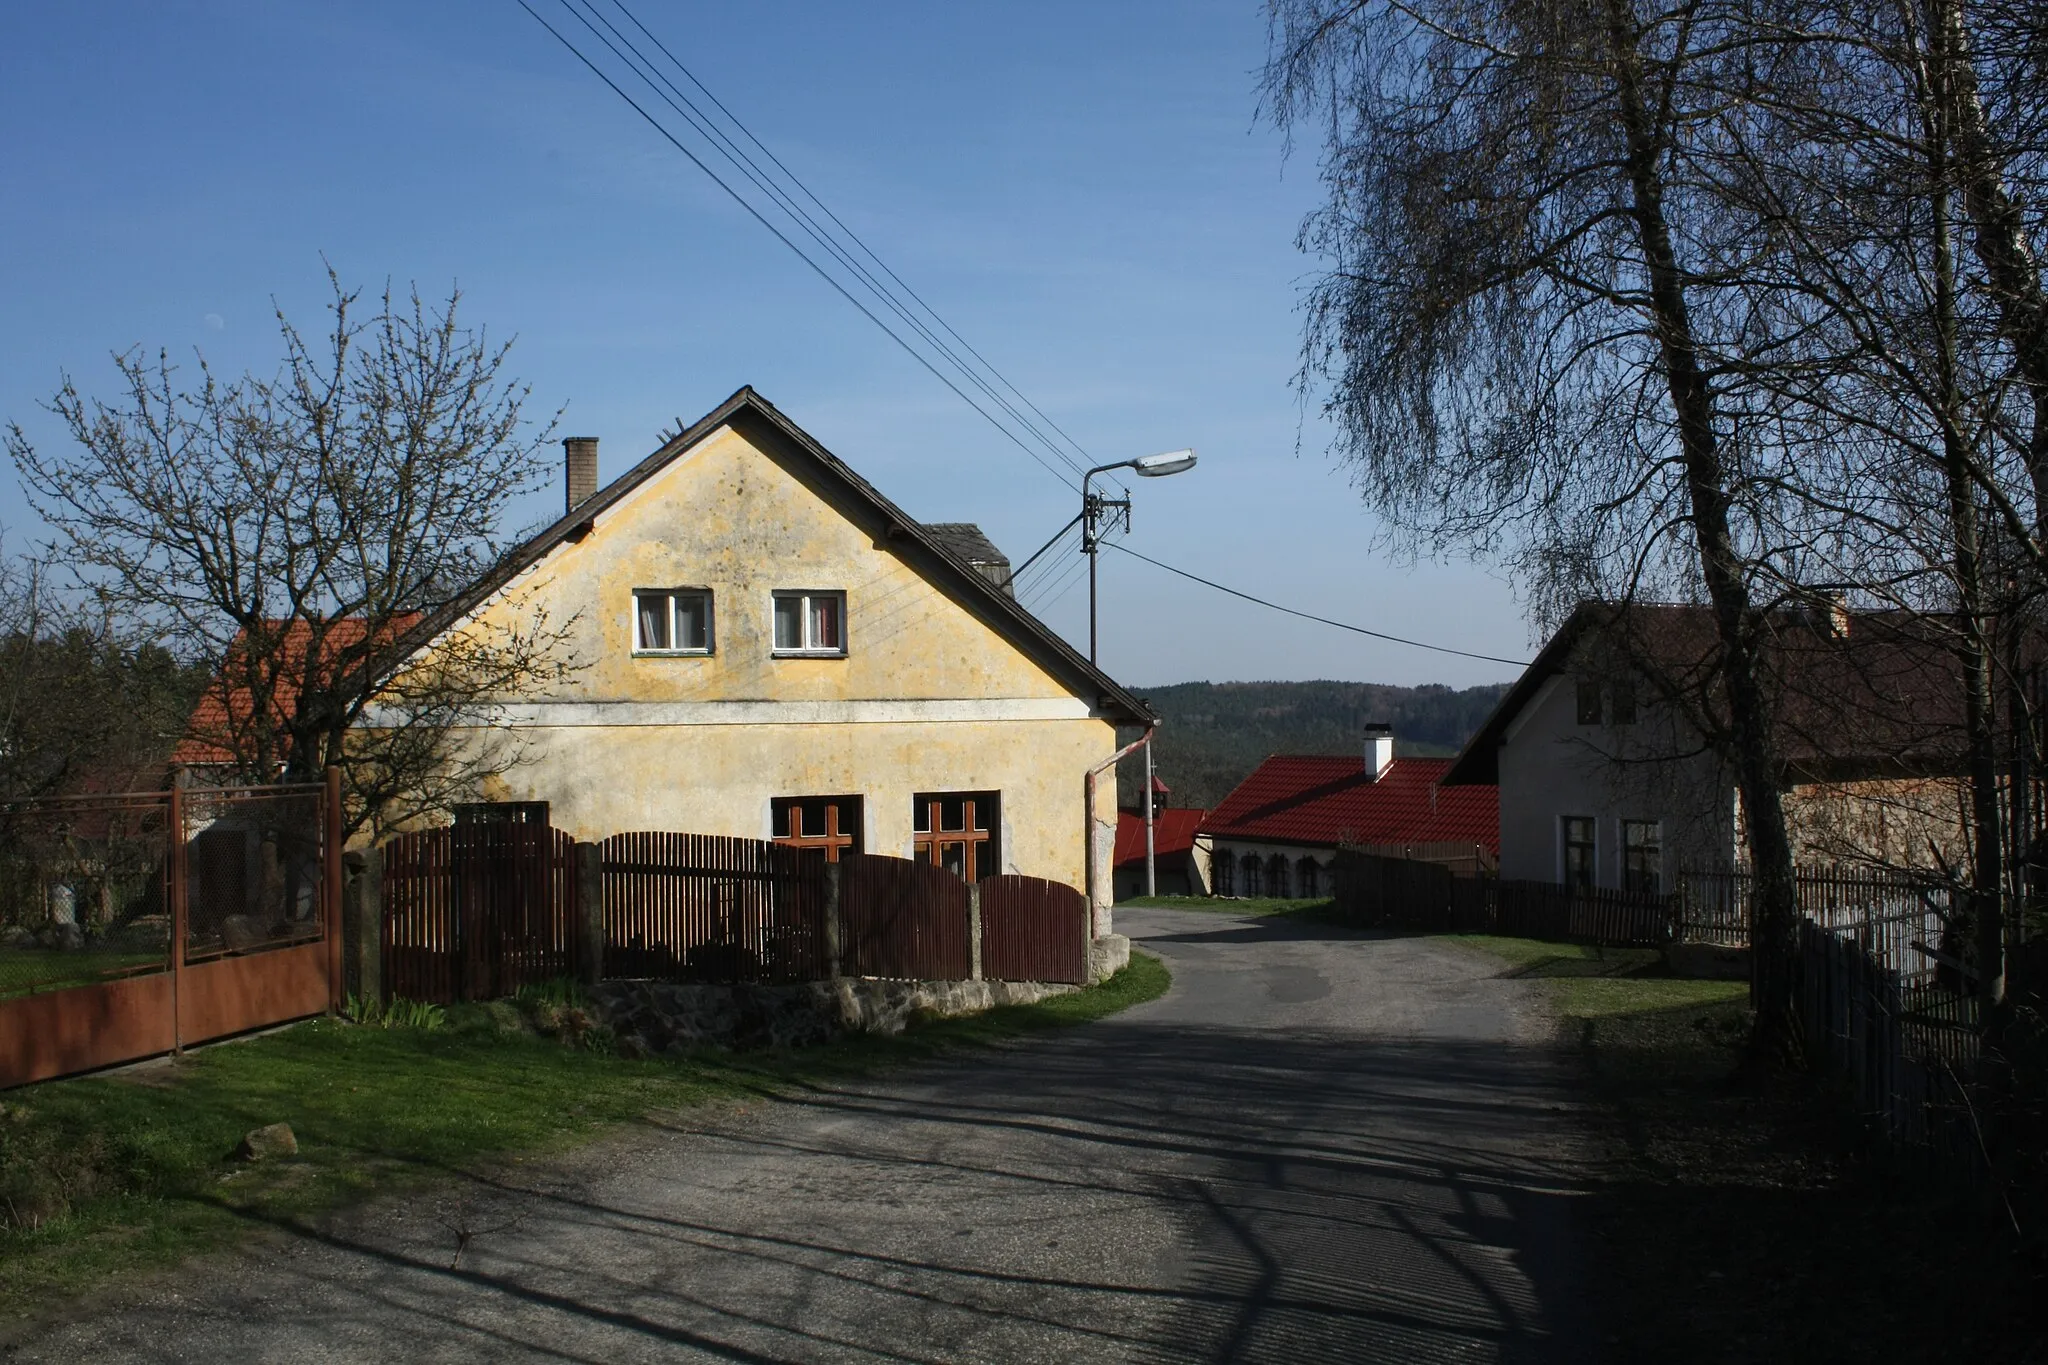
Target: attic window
{"x": 1589, "y": 701}
{"x": 810, "y": 623}
{"x": 671, "y": 621}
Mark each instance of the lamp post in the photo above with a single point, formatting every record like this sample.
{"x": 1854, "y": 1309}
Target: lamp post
{"x": 1095, "y": 510}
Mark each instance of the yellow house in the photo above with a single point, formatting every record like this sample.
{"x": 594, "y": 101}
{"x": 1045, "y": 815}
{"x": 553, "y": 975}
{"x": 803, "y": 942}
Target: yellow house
{"x": 770, "y": 648}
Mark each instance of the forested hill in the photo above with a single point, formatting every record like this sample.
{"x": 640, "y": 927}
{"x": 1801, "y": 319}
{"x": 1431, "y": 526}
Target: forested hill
{"x": 1213, "y": 734}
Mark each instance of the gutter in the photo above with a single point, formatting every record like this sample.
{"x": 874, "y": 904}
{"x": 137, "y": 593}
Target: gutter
{"x": 1098, "y": 906}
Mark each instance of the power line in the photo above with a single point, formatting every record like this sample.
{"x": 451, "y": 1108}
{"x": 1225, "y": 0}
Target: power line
{"x": 852, "y": 236}
{"x": 702, "y": 124}
{"x": 1310, "y": 616}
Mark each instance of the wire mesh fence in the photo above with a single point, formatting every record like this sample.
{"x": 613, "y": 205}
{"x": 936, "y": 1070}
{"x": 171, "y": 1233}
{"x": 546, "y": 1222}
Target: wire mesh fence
{"x": 252, "y": 869}
{"x": 82, "y": 891}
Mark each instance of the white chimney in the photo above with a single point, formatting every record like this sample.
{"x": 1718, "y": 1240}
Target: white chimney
{"x": 1379, "y": 750}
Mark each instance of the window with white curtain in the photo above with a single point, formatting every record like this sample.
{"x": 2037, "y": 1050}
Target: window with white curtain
{"x": 672, "y": 621}
{"x": 810, "y": 623}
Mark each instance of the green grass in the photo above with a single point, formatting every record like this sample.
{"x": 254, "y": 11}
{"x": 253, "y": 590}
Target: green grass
{"x": 1594, "y": 983}
{"x": 104, "y": 1176}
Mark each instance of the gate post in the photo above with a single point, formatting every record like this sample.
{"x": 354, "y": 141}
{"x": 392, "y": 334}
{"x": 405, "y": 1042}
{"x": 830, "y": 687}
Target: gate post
{"x": 363, "y": 921}
{"x": 974, "y": 930}
{"x": 589, "y": 913}
{"x": 835, "y": 935}
{"x": 330, "y": 831}
{"x": 174, "y": 873}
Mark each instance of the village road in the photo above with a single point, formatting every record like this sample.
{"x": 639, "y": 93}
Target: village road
{"x": 1319, "y": 1146}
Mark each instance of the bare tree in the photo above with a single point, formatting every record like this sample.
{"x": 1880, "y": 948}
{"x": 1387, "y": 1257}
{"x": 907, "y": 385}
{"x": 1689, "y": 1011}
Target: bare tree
{"x": 1527, "y": 329}
{"x": 290, "y": 531}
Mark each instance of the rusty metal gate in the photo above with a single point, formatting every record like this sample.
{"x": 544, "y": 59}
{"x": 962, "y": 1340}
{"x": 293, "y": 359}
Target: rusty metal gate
{"x": 138, "y": 923}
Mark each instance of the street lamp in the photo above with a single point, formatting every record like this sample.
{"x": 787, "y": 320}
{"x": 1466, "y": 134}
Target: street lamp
{"x": 1095, "y": 511}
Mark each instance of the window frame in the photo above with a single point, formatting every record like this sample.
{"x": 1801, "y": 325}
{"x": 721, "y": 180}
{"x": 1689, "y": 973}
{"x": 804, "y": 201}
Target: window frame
{"x": 1586, "y": 701}
{"x": 1222, "y": 872}
{"x": 1635, "y": 869}
{"x": 977, "y": 844}
{"x": 835, "y": 841}
{"x": 805, "y": 596}
{"x": 641, "y": 650}
{"x": 1254, "y": 870}
{"x": 1591, "y": 844}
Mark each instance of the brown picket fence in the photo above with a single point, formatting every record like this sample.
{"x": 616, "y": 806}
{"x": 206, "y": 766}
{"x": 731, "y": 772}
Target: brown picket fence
{"x": 1406, "y": 893}
{"x": 476, "y": 911}
{"x": 1033, "y": 930}
{"x": 902, "y": 918}
{"x": 701, "y": 907}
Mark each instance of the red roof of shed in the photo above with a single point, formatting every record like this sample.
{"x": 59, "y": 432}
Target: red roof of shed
{"x": 1305, "y": 800}
{"x": 1173, "y": 831}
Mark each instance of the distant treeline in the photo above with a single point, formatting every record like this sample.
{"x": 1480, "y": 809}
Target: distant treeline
{"x": 1214, "y": 734}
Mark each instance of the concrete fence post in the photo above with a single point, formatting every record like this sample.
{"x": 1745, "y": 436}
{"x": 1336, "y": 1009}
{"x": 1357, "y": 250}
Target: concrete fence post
{"x": 974, "y": 931}
{"x": 835, "y": 936}
{"x": 589, "y": 913}
{"x": 363, "y": 924}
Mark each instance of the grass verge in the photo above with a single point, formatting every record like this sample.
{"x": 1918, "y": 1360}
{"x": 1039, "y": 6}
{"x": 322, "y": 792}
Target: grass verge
{"x": 1320, "y": 910}
{"x": 107, "y": 1176}
{"x": 1753, "y": 1222}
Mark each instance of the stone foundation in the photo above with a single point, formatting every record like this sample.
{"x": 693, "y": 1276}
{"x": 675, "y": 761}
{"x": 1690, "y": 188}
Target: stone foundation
{"x": 1107, "y": 956}
{"x": 659, "y": 1016}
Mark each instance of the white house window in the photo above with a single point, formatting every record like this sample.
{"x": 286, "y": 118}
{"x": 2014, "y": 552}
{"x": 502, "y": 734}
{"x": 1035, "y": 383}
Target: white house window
{"x": 1578, "y": 851}
{"x": 810, "y": 623}
{"x": 671, "y": 621}
{"x": 1642, "y": 857}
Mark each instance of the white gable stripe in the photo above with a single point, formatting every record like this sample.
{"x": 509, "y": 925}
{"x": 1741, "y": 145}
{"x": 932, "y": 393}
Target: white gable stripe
{"x": 568, "y": 714}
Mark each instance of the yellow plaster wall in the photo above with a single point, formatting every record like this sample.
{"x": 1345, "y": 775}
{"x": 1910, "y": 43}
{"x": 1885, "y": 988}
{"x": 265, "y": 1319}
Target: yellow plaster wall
{"x": 731, "y": 518}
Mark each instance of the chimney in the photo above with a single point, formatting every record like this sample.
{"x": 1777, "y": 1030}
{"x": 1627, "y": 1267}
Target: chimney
{"x": 579, "y": 455}
{"x": 1379, "y": 749}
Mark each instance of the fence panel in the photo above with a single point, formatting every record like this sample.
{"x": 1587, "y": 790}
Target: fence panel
{"x": 1033, "y": 930}
{"x": 707, "y": 908}
{"x": 93, "y": 891}
{"x": 472, "y": 912}
{"x": 903, "y": 919}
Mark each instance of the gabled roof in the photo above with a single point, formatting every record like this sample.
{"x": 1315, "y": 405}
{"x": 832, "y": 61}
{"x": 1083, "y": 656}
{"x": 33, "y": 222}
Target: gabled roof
{"x": 1173, "y": 832}
{"x": 967, "y": 543}
{"x": 1855, "y": 694}
{"x": 1329, "y": 801}
{"x": 759, "y": 420}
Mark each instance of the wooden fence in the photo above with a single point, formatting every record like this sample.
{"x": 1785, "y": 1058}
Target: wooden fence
{"x": 472, "y": 912}
{"x": 1409, "y": 894}
{"x": 1033, "y": 930}
{"x": 903, "y": 918}
{"x": 700, "y": 907}
{"x": 1889, "y": 911}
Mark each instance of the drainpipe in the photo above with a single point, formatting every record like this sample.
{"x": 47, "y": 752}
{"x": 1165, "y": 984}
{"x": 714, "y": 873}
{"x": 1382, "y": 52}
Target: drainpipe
{"x": 1098, "y": 904}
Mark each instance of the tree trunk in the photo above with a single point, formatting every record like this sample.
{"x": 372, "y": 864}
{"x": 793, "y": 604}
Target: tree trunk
{"x": 2000, "y": 236}
{"x": 1985, "y": 899}
{"x": 1692, "y": 399}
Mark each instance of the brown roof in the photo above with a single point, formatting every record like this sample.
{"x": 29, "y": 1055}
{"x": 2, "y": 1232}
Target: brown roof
{"x": 224, "y": 710}
{"x": 1854, "y": 694}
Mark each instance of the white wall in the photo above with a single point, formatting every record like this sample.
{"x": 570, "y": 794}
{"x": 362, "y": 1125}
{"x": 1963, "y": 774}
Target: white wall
{"x": 1552, "y": 767}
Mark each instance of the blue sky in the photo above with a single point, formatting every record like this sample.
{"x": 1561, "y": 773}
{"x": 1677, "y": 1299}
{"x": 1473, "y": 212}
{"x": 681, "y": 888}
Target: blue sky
{"x": 1084, "y": 191}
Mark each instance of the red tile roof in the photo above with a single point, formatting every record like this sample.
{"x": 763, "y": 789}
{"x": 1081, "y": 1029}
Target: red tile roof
{"x": 224, "y": 710}
{"x": 1303, "y": 800}
{"x": 1173, "y": 831}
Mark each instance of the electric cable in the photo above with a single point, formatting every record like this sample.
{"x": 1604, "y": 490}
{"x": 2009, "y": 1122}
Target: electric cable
{"x": 1310, "y": 616}
{"x": 811, "y": 228}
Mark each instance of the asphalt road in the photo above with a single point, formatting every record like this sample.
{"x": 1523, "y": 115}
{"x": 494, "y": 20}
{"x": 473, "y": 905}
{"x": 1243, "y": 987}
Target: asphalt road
{"x": 1317, "y": 1147}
